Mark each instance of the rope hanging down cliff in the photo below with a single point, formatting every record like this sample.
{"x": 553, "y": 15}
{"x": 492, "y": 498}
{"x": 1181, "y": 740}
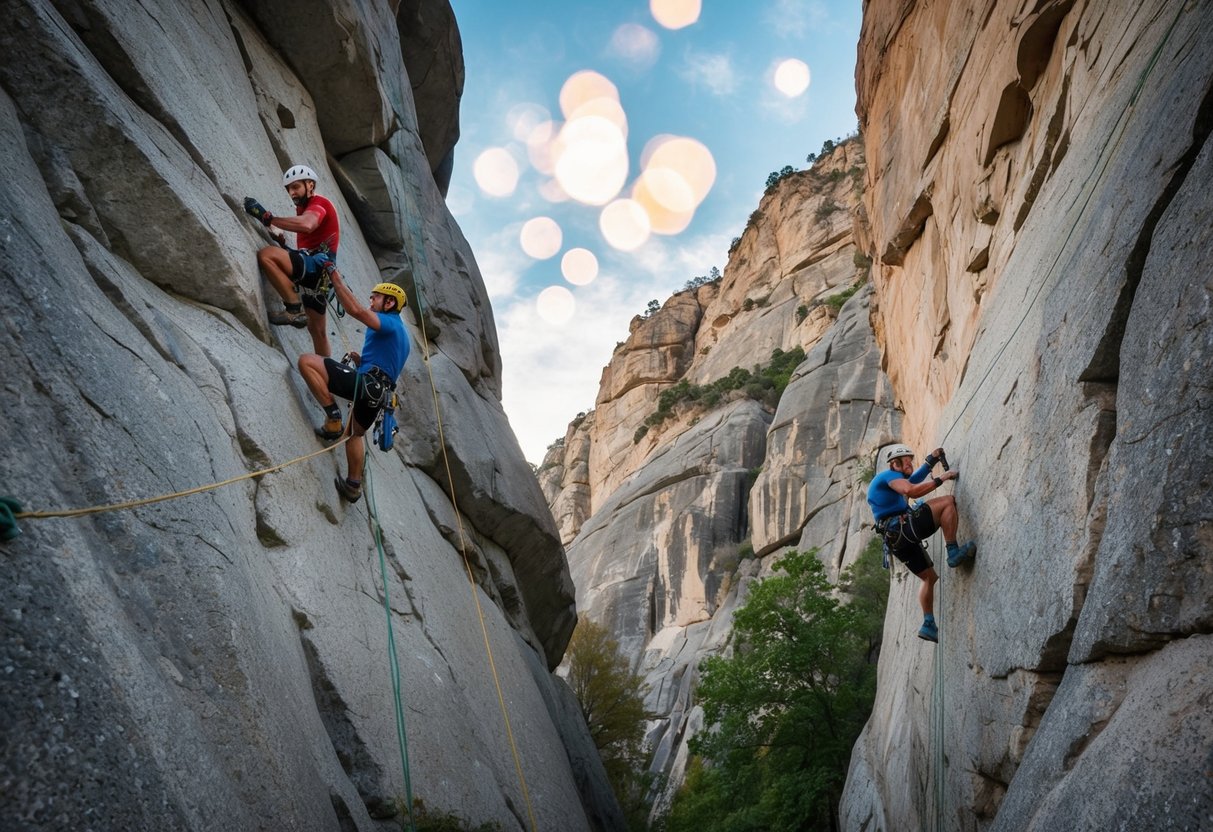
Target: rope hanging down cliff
{"x": 412, "y": 213}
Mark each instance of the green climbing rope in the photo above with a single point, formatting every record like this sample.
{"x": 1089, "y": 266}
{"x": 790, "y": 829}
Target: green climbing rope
{"x": 1101, "y": 166}
{"x": 393, "y": 661}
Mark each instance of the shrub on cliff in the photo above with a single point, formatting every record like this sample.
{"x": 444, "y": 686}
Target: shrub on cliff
{"x": 764, "y": 384}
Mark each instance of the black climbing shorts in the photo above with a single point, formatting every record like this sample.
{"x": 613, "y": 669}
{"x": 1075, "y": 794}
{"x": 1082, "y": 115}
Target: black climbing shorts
{"x": 307, "y": 271}
{"x": 345, "y": 381}
{"x": 907, "y": 544}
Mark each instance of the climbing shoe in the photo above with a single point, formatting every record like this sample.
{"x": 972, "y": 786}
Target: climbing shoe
{"x": 959, "y": 554}
{"x": 285, "y": 317}
{"x": 330, "y": 430}
{"x": 928, "y": 631}
{"x": 351, "y": 493}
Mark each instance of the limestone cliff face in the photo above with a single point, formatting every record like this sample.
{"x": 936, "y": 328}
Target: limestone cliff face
{"x": 221, "y": 660}
{"x": 660, "y": 524}
{"x": 1040, "y": 212}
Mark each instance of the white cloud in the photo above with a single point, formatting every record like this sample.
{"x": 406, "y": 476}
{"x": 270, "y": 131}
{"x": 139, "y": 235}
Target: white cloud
{"x": 551, "y": 372}
{"x": 795, "y": 18}
{"x": 715, "y": 71}
{"x": 784, "y": 109}
{"x": 672, "y": 263}
{"x": 502, "y": 262}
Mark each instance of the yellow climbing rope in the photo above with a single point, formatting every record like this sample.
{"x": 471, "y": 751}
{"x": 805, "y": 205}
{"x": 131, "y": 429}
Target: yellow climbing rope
{"x": 463, "y": 550}
{"x": 77, "y": 512}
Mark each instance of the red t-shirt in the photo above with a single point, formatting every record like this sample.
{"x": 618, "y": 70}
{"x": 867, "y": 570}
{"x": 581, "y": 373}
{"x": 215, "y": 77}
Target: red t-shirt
{"x": 327, "y": 232}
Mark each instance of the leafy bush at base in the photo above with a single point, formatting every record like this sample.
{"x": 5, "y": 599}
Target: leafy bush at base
{"x": 783, "y": 712}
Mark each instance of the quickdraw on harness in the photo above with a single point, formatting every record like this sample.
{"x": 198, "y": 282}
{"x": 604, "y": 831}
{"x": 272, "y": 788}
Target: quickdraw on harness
{"x": 385, "y": 426}
{"x": 377, "y": 390}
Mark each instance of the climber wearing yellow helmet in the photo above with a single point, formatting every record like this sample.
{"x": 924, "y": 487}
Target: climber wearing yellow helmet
{"x": 384, "y": 350}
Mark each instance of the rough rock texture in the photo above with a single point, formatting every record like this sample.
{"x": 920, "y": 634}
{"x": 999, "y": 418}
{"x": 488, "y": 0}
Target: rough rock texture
{"x": 659, "y": 530}
{"x": 433, "y": 56}
{"x": 1040, "y": 209}
{"x": 836, "y": 411}
{"x": 221, "y": 660}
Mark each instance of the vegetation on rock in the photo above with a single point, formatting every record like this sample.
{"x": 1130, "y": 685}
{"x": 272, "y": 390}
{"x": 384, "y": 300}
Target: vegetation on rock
{"x": 785, "y": 709}
{"x": 611, "y": 696}
{"x": 764, "y": 384}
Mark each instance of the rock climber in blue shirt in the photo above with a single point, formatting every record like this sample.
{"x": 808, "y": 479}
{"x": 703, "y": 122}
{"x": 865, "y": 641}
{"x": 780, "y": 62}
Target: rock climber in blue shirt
{"x": 370, "y": 386}
{"x": 905, "y": 529}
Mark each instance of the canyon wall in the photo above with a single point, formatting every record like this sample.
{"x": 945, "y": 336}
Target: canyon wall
{"x": 666, "y": 524}
{"x": 1039, "y": 207}
{"x": 222, "y": 660}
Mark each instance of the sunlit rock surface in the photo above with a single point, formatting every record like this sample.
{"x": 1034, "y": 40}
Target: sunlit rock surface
{"x": 661, "y": 525}
{"x": 1040, "y": 211}
{"x": 220, "y": 661}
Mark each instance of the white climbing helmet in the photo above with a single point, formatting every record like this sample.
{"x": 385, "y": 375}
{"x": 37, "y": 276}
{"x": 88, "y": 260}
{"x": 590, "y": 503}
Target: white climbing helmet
{"x": 296, "y": 172}
{"x": 892, "y": 452}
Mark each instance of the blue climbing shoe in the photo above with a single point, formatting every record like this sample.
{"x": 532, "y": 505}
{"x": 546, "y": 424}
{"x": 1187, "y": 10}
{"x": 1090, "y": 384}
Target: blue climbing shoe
{"x": 928, "y": 631}
{"x": 959, "y": 554}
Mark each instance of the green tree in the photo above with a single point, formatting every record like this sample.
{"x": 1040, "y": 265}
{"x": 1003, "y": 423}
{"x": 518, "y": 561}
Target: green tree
{"x": 785, "y": 709}
{"x": 653, "y": 307}
{"x": 611, "y": 696}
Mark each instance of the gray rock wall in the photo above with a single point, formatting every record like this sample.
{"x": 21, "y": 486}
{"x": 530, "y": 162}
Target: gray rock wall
{"x": 221, "y": 660}
{"x": 662, "y": 532}
{"x": 1074, "y": 654}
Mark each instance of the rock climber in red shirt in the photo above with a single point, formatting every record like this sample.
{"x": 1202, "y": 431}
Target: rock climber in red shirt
{"x": 298, "y": 274}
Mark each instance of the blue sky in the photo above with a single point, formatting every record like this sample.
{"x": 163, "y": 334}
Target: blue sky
{"x": 712, "y": 82}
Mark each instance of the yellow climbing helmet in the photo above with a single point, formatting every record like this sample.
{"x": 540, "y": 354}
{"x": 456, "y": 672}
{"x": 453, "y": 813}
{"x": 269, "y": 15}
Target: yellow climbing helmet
{"x": 392, "y": 291}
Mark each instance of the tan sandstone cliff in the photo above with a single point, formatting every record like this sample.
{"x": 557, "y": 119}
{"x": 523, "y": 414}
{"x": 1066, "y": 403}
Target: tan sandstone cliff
{"x": 1041, "y": 219}
{"x": 1037, "y": 206}
{"x": 666, "y": 524}
{"x": 221, "y": 661}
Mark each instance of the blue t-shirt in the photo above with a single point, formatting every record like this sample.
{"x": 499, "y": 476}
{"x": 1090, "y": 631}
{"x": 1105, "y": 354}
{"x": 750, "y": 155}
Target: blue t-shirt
{"x": 886, "y": 502}
{"x": 387, "y": 347}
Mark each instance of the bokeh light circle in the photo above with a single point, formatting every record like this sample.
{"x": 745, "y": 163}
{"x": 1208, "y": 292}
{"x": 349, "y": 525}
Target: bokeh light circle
{"x": 496, "y": 172}
{"x": 550, "y": 190}
{"x": 625, "y": 224}
{"x": 582, "y": 87}
{"x": 687, "y": 157}
{"x": 555, "y": 305}
{"x": 579, "y": 266}
{"x": 607, "y": 108}
{"x": 792, "y": 77}
{"x": 636, "y": 44}
{"x": 541, "y": 237}
{"x": 666, "y": 198}
{"x": 591, "y": 160}
{"x": 675, "y": 14}
{"x": 523, "y": 118}
{"x": 540, "y": 146}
